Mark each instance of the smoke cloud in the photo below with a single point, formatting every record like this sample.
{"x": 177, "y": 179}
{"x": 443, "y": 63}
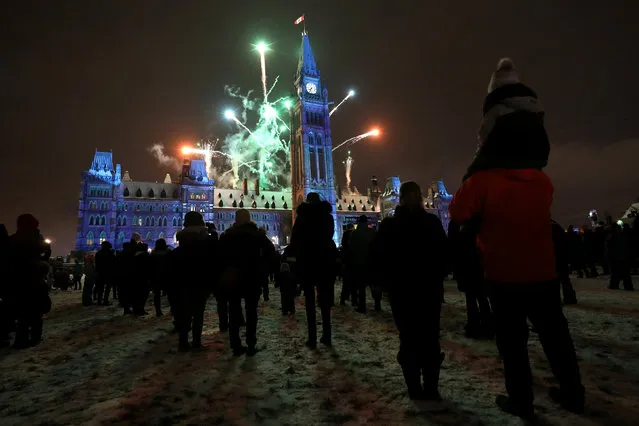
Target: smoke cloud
{"x": 157, "y": 151}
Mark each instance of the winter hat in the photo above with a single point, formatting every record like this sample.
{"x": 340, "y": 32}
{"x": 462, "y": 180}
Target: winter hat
{"x": 161, "y": 244}
{"x": 136, "y": 238}
{"x": 106, "y": 245}
{"x": 193, "y": 219}
{"x": 27, "y": 222}
{"x": 506, "y": 95}
{"x": 242, "y": 216}
{"x": 506, "y": 73}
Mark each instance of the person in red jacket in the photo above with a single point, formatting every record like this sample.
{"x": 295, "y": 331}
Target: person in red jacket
{"x": 508, "y": 200}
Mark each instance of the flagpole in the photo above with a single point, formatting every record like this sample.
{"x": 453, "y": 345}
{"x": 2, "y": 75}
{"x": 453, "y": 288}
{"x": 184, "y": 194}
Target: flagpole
{"x": 304, "y": 21}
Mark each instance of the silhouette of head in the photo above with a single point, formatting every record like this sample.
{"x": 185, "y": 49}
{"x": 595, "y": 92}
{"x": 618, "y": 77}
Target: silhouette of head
{"x": 106, "y": 245}
{"x": 27, "y": 222}
{"x": 136, "y": 238}
{"x": 161, "y": 244}
{"x": 193, "y": 219}
{"x": 350, "y": 227}
{"x": 410, "y": 194}
{"x": 242, "y": 216}
{"x": 313, "y": 197}
{"x": 362, "y": 220}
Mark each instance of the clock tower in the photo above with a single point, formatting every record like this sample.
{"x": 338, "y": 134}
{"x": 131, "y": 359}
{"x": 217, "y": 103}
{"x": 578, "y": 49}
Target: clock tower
{"x": 311, "y": 146}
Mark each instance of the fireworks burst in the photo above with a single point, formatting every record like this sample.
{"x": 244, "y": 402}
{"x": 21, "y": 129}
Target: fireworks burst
{"x": 348, "y": 165}
{"x": 350, "y": 93}
{"x": 355, "y": 139}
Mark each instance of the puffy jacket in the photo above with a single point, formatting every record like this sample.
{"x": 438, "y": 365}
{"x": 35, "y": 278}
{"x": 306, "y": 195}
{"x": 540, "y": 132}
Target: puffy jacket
{"x": 513, "y": 208}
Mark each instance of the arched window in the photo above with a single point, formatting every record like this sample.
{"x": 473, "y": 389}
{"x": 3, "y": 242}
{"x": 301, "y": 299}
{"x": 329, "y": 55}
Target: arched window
{"x": 135, "y": 221}
{"x": 174, "y": 222}
{"x": 149, "y": 237}
{"x": 126, "y": 191}
{"x": 140, "y": 221}
{"x": 163, "y": 194}
{"x": 91, "y": 220}
{"x": 151, "y": 193}
{"x": 103, "y": 220}
{"x": 147, "y": 222}
{"x": 138, "y": 193}
{"x": 179, "y": 221}
{"x": 118, "y": 221}
{"x": 165, "y": 221}
{"x": 103, "y": 237}
{"x": 123, "y": 220}
{"x": 152, "y": 221}
{"x": 90, "y": 238}
{"x": 161, "y": 236}
{"x": 121, "y": 238}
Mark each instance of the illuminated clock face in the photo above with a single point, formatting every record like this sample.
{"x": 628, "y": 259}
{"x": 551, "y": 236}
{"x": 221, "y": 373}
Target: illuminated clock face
{"x": 311, "y": 88}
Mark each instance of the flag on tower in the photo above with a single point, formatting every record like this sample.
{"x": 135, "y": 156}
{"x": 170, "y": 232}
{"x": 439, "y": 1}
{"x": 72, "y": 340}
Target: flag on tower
{"x": 299, "y": 20}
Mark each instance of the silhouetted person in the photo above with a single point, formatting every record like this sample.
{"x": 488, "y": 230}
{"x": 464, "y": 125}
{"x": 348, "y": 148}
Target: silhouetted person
{"x": 316, "y": 254}
{"x": 243, "y": 248}
{"x": 194, "y": 284}
{"x": 348, "y": 291}
{"x": 513, "y": 207}
{"x": 414, "y": 243}
{"x": 28, "y": 254}
{"x": 78, "y": 271}
{"x": 105, "y": 267}
{"x": 560, "y": 241}
{"x": 160, "y": 274}
{"x": 134, "y": 262}
{"x": 619, "y": 253}
{"x": 470, "y": 280}
{"x": 284, "y": 280}
{"x": 359, "y": 264}
{"x": 577, "y": 250}
{"x": 6, "y": 287}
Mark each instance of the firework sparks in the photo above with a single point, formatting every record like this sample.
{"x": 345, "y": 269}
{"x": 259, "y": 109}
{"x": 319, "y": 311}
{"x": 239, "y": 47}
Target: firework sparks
{"x": 350, "y": 94}
{"x": 355, "y": 139}
{"x": 262, "y": 47}
{"x": 348, "y": 165}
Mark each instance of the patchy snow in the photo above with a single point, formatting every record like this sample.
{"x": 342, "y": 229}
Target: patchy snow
{"x": 97, "y": 367}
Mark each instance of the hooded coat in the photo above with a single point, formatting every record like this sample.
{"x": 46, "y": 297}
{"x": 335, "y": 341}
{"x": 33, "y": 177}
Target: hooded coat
{"x": 513, "y": 209}
{"x": 244, "y": 250}
{"x": 193, "y": 257}
{"x": 312, "y": 239}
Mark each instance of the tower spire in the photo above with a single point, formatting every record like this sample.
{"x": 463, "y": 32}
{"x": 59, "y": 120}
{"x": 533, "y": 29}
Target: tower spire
{"x": 307, "y": 65}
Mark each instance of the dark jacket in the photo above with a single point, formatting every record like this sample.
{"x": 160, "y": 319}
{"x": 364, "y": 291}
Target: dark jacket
{"x": 411, "y": 250}
{"x": 618, "y": 248}
{"x": 358, "y": 251}
{"x": 161, "y": 269}
{"x": 105, "y": 264}
{"x": 244, "y": 250}
{"x": 193, "y": 259}
{"x": 465, "y": 257}
{"x": 560, "y": 240}
{"x": 312, "y": 241}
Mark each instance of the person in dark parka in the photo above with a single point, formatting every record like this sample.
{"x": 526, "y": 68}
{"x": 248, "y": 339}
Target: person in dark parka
{"x": 28, "y": 254}
{"x": 348, "y": 292}
{"x": 619, "y": 254}
{"x": 105, "y": 268}
{"x": 243, "y": 250}
{"x": 196, "y": 250}
{"x": 316, "y": 255}
{"x": 6, "y": 311}
{"x": 415, "y": 243}
{"x": 160, "y": 274}
{"x": 560, "y": 240}
{"x": 359, "y": 264}
{"x": 470, "y": 280}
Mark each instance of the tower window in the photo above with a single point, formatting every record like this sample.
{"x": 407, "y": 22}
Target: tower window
{"x": 90, "y": 238}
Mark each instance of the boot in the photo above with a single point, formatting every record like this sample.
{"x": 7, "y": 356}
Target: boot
{"x": 573, "y": 402}
{"x": 411, "y": 377}
{"x": 507, "y": 405}
{"x": 430, "y": 376}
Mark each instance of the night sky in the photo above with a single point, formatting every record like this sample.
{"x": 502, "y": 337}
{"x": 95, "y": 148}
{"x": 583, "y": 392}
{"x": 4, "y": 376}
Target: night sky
{"x": 123, "y": 75}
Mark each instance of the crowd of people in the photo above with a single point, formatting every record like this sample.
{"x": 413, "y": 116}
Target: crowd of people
{"x": 508, "y": 256}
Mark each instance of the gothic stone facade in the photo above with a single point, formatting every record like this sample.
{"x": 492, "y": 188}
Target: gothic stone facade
{"x": 113, "y": 207}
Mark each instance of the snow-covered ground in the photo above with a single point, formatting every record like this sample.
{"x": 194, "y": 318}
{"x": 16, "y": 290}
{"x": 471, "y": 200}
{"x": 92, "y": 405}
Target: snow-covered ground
{"x": 97, "y": 367}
